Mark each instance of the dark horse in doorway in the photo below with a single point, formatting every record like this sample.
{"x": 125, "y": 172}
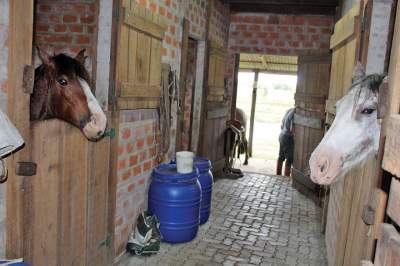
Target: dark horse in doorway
{"x": 62, "y": 90}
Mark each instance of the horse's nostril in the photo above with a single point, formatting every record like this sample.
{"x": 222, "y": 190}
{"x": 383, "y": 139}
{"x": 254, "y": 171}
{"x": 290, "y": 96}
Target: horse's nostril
{"x": 83, "y": 122}
{"x": 99, "y": 133}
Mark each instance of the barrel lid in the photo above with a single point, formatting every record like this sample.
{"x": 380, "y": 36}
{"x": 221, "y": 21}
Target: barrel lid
{"x": 202, "y": 163}
{"x": 169, "y": 172}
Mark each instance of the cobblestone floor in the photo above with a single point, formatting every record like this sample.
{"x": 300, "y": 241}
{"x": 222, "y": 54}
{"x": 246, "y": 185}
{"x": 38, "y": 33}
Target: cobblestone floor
{"x": 256, "y": 220}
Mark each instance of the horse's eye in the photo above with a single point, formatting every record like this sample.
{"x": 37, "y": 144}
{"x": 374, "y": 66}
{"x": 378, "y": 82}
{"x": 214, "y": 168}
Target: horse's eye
{"x": 368, "y": 111}
{"x": 63, "y": 82}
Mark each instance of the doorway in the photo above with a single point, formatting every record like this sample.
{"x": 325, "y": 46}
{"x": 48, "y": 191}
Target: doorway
{"x": 265, "y": 91}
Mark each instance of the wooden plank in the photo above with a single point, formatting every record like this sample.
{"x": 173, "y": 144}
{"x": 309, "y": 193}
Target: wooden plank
{"x": 344, "y": 28}
{"x": 20, "y": 55}
{"x": 98, "y": 236}
{"x": 215, "y": 98}
{"x": 45, "y": 220}
{"x": 391, "y": 158}
{"x": 311, "y": 98}
{"x": 132, "y": 50}
{"x": 143, "y": 25}
{"x": 217, "y": 112}
{"x": 393, "y": 208}
{"x": 394, "y": 69}
{"x": 155, "y": 63}
{"x": 308, "y": 121}
{"x": 143, "y": 59}
{"x": 217, "y": 91}
{"x": 252, "y": 113}
{"x": 136, "y": 90}
{"x": 137, "y": 103}
{"x": 388, "y": 247}
{"x": 73, "y": 193}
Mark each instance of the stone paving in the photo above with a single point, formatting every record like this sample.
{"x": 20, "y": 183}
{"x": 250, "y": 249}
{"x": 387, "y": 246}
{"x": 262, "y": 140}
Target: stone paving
{"x": 256, "y": 220}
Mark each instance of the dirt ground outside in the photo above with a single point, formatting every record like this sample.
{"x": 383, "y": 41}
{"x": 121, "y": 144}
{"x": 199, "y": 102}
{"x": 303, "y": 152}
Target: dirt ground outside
{"x": 275, "y": 95}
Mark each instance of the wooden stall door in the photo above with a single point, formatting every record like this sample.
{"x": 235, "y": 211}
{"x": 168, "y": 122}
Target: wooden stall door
{"x": 216, "y": 111}
{"x": 310, "y": 97}
{"x": 347, "y": 236}
{"x": 138, "y": 64}
{"x": 68, "y": 198}
{"x": 58, "y": 214}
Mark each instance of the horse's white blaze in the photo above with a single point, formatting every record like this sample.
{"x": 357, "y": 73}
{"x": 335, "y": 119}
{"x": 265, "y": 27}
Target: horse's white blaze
{"x": 10, "y": 139}
{"x": 98, "y": 120}
{"x": 352, "y": 137}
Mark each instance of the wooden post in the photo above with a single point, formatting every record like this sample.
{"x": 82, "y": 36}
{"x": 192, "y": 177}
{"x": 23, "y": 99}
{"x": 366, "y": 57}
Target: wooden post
{"x": 235, "y": 84}
{"x": 253, "y": 111}
{"x": 18, "y": 187}
{"x": 182, "y": 83}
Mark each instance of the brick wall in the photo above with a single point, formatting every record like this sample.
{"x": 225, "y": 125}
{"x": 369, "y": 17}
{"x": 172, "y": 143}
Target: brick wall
{"x": 138, "y": 141}
{"x": 276, "y": 34}
{"x": 131, "y": 201}
{"x": 67, "y": 26}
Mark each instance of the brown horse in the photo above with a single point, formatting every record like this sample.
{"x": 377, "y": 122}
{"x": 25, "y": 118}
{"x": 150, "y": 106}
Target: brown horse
{"x": 61, "y": 90}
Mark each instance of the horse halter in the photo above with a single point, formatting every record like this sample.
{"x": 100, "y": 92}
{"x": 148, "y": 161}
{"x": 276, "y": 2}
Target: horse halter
{"x": 3, "y": 171}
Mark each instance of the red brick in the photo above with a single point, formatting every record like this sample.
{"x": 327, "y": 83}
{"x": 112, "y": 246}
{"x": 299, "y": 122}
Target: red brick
{"x": 150, "y": 140}
{"x": 88, "y": 19}
{"x": 80, "y": 8}
{"x": 147, "y": 166}
{"x": 55, "y": 18}
{"x": 141, "y": 181}
{"x": 76, "y": 28}
{"x": 42, "y": 27}
{"x": 142, "y": 156}
{"x": 121, "y": 164}
{"x": 129, "y": 147}
{"x": 59, "y": 28}
{"x": 120, "y": 149}
{"x": 133, "y": 160}
{"x": 153, "y": 7}
{"x": 131, "y": 187}
{"x": 83, "y": 39}
{"x": 44, "y": 8}
{"x": 126, "y": 133}
{"x": 126, "y": 175}
{"x": 161, "y": 10}
{"x": 152, "y": 152}
{"x": 143, "y": 3}
{"x": 139, "y": 143}
{"x": 137, "y": 170}
{"x": 70, "y": 18}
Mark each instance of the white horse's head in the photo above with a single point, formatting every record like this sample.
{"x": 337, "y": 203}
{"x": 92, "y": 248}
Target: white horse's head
{"x": 354, "y": 133}
{"x": 10, "y": 140}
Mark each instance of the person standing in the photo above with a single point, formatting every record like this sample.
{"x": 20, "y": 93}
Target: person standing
{"x": 286, "y": 143}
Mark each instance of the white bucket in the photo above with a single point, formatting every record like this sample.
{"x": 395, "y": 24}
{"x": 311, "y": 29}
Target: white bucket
{"x": 184, "y": 162}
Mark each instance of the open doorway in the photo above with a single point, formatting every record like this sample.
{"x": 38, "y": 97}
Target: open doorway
{"x": 265, "y": 91}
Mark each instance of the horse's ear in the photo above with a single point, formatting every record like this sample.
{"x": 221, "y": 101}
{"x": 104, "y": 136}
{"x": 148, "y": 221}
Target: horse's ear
{"x": 44, "y": 56}
{"x": 81, "y": 56}
{"x": 358, "y": 71}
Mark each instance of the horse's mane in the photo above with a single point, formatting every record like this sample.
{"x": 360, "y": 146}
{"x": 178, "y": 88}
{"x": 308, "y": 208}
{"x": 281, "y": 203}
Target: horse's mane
{"x": 371, "y": 82}
{"x": 64, "y": 65}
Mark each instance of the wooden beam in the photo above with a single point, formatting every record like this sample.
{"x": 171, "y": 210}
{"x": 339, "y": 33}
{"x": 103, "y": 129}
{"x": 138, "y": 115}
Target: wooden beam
{"x": 252, "y": 114}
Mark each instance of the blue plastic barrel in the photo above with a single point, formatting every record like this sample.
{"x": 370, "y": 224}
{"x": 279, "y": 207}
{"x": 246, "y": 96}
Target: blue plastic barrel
{"x": 175, "y": 199}
{"x": 206, "y": 181}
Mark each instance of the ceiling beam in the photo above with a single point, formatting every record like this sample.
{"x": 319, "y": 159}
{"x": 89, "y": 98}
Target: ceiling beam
{"x": 320, "y": 7}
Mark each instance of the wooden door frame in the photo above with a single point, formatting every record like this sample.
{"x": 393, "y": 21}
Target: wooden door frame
{"x": 20, "y": 58}
{"x": 182, "y": 83}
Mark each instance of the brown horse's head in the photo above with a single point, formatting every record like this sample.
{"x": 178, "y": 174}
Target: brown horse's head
{"x": 62, "y": 90}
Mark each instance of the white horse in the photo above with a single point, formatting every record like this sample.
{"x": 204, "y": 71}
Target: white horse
{"x": 354, "y": 134}
{"x": 10, "y": 140}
